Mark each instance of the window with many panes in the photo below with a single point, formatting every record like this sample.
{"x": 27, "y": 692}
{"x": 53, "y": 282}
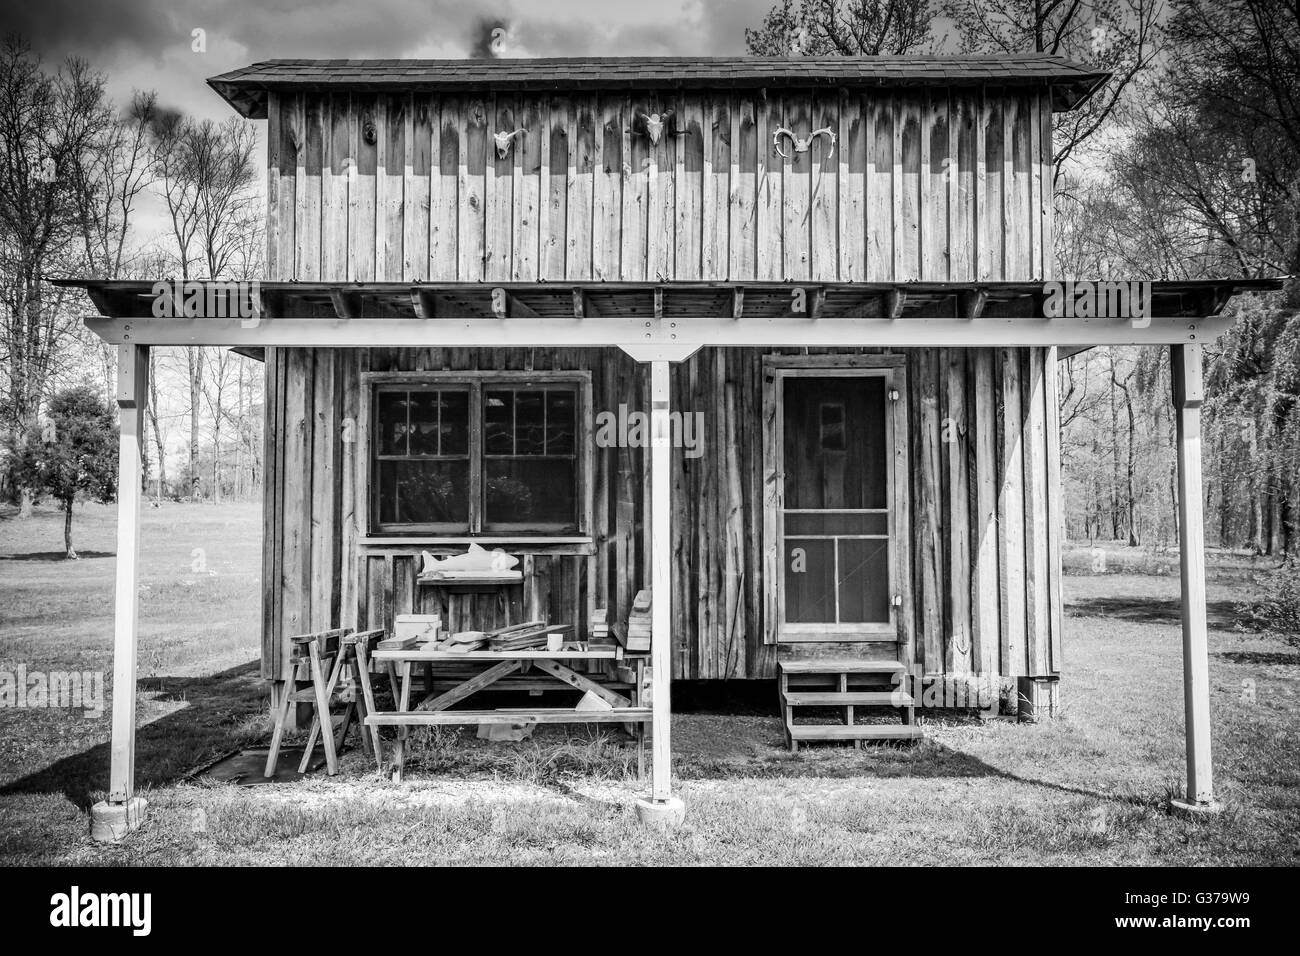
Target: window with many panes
{"x": 476, "y": 456}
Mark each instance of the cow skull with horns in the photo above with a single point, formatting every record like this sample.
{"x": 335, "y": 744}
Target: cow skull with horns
{"x": 654, "y": 125}
{"x": 803, "y": 145}
{"x": 503, "y": 141}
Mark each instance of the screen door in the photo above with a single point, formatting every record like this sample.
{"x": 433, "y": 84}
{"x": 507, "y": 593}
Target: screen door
{"x": 835, "y": 498}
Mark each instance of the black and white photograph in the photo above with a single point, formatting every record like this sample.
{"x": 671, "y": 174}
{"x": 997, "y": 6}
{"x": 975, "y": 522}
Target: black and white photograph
{"x": 755, "y": 433}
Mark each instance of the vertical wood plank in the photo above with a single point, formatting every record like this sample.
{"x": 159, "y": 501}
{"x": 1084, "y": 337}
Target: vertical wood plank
{"x": 610, "y": 142}
{"x": 361, "y": 189}
{"x": 528, "y": 192}
{"x": 985, "y": 638}
{"x": 853, "y": 153}
{"x": 957, "y": 450}
{"x": 337, "y": 165}
{"x": 633, "y": 260}
{"x": 1038, "y": 610}
{"x": 308, "y": 224}
{"x": 747, "y": 168}
{"x": 824, "y": 236}
{"x": 556, "y": 186}
{"x": 474, "y": 145}
{"x": 1011, "y": 518}
{"x": 420, "y": 132}
{"x": 908, "y": 144}
{"x": 581, "y": 180}
{"x": 797, "y": 190}
{"x": 446, "y": 119}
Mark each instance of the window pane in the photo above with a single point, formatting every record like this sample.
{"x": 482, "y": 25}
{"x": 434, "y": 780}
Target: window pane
{"x": 539, "y": 491}
{"x": 530, "y": 437}
{"x": 561, "y": 414}
{"x": 424, "y": 492}
{"x": 424, "y": 423}
{"x": 809, "y": 581}
{"x": 498, "y": 422}
{"x": 864, "y": 580}
{"x": 455, "y": 423}
{"x": 391, "y": 423}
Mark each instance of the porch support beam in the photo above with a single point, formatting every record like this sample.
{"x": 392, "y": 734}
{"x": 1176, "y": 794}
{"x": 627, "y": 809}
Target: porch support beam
{"x": 1185, "y": 362}
{"x": 661, "y": 810}
{"x": 630, "y": 331}
{"x": 123, "y": 811}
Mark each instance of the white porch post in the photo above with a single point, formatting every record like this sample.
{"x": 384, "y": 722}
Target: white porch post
{"x": 1185, "y": 363}
{"x": 662, "y": 809}
{"x": 124, "y": 811}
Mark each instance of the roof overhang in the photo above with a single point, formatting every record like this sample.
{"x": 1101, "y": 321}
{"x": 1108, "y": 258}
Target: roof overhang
{"x": 672, "y": 316}
{"x": 246, "y": 89}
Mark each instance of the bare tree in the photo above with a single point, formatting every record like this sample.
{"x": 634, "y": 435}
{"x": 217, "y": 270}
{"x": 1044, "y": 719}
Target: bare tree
{"x": 1122, "y": 37}
{"x": 207, "y": 174}
{"x": 49, "y": 123}
{"x": 842, "y": 28}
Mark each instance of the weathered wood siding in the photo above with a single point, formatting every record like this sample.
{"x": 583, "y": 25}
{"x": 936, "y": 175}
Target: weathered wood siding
{"x": 985, "y": 579}
{"x": 935, "y": 185}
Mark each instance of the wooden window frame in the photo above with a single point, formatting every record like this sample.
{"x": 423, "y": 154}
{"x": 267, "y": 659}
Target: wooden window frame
{"x": 475, "y": 382}
{"x": 893, "y": 369}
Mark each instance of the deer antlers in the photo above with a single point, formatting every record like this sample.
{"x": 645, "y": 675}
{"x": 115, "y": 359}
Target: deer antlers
{"x": 503, "y": 141}
{"x": 803, "y": 145}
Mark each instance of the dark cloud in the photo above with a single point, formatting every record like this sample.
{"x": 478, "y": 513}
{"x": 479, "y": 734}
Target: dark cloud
{"x": 147, "y": 43}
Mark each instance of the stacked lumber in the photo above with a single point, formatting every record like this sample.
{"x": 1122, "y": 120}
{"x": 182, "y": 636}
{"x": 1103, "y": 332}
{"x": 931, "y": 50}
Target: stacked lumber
{"x": 638, "y": 623}
{"x": 601, "y": 635}
{"x": 523, "y": 637}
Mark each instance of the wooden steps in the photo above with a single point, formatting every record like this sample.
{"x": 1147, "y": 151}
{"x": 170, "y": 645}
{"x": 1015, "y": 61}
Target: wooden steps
{"x": 847, "y": 686}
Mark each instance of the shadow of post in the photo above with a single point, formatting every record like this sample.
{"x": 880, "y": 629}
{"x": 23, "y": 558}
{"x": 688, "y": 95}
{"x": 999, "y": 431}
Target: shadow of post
{"x": 213, "y": 720}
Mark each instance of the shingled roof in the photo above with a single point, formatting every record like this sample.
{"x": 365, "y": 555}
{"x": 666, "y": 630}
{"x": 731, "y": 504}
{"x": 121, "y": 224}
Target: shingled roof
{"x": 245, "y": 89}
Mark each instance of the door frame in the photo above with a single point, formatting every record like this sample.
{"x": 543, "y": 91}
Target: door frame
{"x": 776, "y": 369}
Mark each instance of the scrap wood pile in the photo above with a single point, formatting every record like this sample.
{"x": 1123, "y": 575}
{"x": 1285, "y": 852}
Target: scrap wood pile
{"x": 530, "y": 635}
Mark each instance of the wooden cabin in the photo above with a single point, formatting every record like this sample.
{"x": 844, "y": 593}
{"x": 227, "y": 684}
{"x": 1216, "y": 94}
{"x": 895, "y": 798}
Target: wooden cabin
{"x": 833, "y": 276}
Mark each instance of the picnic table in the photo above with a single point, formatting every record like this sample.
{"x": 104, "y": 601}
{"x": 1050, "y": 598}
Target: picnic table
{"x": 434, "y": 709}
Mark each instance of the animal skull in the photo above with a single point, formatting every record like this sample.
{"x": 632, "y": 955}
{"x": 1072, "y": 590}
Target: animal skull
{"x": 803, "y": 145}
{"x": 654, "y": 125}
{"x": 503, "y": 141}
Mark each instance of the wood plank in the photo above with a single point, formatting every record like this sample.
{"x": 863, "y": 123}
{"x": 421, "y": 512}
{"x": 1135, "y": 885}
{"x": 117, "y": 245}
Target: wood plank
{"x": 498, "y": 190}
{"x": 840, "y": 665}
{"x": 474, "y": 146}
{"x": 553, "y": 213}
{"x": 929, "y": 547}
{"x": 525, "y": 251}
{"x": 420, "y": 134}
{"x": 395, "y": 178}
{"x": 985, "y": 635}
{"x": 908, "y": 144}
{"x": 770, "y": 263}
{"x": 1038, "y": 609}
{"x": 853, "y": 156}
{"x": 874, "y": 698}
{"x": 633, "y": 261}
{"x": 540, "y": 715}
{"x": 434, "y": 703}
{"x": 337, "y": 164}
{"x": 611, "y": 144}
{"x": 719, "y": 154}
{"x": 857, "y": 732}
{"x": 692, "y": 179}
{"x": 1055, "y": 514}
{"x": 1011, "y": 518}
{"x": 824, "y": 233}
{"x": 446, "y": 125}
{"x": 307, "y": 226}
{"x": 957, "y": 451}
{"x": 581, "y": 182}
{"x": 797, "y": 190}
{"x": 362, "y": 191}
{"x": 747, "y": 166}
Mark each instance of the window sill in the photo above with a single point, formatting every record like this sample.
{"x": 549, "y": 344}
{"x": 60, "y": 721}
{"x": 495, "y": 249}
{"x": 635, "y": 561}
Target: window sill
{"x": 522, "y": 544}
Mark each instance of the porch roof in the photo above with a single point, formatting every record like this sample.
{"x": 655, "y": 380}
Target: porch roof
{"x": 246, "y": 88}
{"x": 678, "y": 313}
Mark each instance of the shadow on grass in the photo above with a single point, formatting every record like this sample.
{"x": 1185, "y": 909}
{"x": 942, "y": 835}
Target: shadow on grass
{"x": 55, "y": 556}
{"x": 1224, "y": 615}
{"x": 214, "y": 713}
{"x": 1259, "y": 658}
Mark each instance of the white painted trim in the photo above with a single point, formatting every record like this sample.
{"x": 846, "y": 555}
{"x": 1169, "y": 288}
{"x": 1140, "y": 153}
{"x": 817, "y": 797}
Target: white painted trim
{"x": 660, "y": 339}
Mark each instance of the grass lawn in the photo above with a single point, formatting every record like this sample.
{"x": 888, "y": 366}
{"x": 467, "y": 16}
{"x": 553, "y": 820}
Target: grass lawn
{"x": 1090, "y": 787}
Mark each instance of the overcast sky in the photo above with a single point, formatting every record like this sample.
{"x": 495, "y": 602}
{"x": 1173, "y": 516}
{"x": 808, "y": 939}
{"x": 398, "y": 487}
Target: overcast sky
{"x": 147, "y": 44}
